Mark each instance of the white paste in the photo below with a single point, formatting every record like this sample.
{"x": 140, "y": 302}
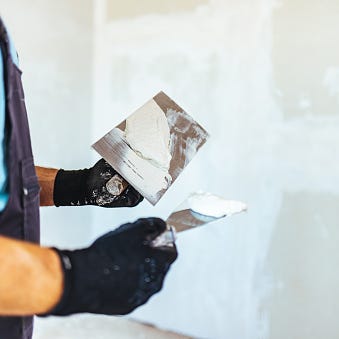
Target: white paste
{"x": 214, "y": 206}
{"x": 148, "y": 134}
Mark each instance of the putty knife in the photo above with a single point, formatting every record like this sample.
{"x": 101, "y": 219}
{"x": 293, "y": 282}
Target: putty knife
{"x": 185, "y": 218}
{"x": 186, "y": 138}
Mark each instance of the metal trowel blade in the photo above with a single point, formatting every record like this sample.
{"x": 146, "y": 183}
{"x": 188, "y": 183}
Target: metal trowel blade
{"x": 184, "y": 218}
{"x": 186, "y": 138}
{"x": 179, "y": 221}
{"x": 187, "y": 219}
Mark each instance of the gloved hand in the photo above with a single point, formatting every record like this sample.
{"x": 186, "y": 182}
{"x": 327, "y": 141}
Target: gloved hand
{"x": 117, "y": 273}
{"x": 88, "y": 187}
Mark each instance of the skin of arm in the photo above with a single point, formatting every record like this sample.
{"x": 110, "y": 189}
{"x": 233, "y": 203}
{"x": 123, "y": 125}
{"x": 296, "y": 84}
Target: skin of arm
{"x": 31, "y": 278}
{"x": 46, "y": 177}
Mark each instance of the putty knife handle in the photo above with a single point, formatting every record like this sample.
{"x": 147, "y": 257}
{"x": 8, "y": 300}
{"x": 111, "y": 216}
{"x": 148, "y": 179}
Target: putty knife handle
{"x": 165, "y": 239}
{"x": 116, "y": 185}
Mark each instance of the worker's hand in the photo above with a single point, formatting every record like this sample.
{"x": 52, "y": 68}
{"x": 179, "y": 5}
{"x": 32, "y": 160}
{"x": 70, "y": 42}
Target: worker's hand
{"x": 88, "y": 187}
{"x": 117, "y": 273}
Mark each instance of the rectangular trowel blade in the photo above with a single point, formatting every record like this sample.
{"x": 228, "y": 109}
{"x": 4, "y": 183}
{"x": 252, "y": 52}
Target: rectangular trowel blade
{"x": 186, "y": 138}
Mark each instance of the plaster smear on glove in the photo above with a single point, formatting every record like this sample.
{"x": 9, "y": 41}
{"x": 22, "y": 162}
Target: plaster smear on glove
{"x": 212, "y": 205}
{"x": 147, "y": 133}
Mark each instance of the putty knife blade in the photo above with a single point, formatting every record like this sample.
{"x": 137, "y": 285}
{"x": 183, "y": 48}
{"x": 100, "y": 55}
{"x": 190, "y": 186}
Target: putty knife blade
{"x": 186, "y": 138}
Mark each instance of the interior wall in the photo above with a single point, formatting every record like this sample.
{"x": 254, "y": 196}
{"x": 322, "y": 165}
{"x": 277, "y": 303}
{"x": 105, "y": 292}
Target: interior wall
{"x": 303, "y": 251}
{"x": 215, "y": 61}
{"x": 54, "y": 40}
{"x": 261, "y": 76}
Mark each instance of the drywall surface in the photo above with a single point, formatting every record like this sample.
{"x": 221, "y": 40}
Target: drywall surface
{"x": 54, "y": 43}
{"x": 306, "y": 57}
{"x": 132, "y": 8}
{"x": 302, "y": 258}
{"x": 215, "y": 61}
{"x": 262, "y": 78}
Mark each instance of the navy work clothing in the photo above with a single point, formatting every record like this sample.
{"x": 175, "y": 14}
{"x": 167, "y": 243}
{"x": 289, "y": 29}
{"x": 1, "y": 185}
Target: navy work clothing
{"x": 20, "y": 218}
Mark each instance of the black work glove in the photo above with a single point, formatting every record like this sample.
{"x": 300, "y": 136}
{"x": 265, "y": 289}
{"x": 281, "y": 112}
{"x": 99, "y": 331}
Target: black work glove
{"x": 88, "y": 187}
{"x": 117, "y": 273}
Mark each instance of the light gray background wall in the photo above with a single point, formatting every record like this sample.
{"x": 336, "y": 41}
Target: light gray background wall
{"x": 262, "y": 77}
{"x": 54, "y": 40}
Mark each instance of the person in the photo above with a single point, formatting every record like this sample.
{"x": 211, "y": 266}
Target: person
{"x": 120, "y": 271}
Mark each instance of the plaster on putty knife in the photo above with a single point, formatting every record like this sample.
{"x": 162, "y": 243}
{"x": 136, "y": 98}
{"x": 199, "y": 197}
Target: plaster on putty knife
{"x": 198, "y": 209}
{"x": 185, "y": 137}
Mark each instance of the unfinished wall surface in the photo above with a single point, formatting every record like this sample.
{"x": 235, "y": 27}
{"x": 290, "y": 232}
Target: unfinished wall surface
{"x": 215, "y": 60}
{"x": 54, "y": 43}
{"x": 262, "y": 77}
{"x": 302, "y": 259}
{"x": 303, "y": 252}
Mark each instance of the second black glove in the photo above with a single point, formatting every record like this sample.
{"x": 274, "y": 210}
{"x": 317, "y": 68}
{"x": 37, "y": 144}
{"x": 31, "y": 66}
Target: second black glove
{"x": 117, "y": 273}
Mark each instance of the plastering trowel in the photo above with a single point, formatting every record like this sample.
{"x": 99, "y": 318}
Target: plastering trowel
{"x": 198, "y": 209}
{"x": 151, "y": 147}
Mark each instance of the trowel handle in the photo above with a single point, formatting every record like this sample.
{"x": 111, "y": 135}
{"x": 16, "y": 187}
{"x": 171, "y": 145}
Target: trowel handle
{"x": 116, "y": 185}
{"x": 165, "y": 239}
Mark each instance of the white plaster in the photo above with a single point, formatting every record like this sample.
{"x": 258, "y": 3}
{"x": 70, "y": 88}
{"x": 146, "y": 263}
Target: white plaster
{"x": 147, "y": 132}
{"x": 212, "y": 205}
{"x": 150, "y": 180}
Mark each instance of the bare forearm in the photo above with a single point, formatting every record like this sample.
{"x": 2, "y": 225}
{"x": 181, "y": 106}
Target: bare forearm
{"x": 31, "y": 278}
{"x": 46, "y": 178}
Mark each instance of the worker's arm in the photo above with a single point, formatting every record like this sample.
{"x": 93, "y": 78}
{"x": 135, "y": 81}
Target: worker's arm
{"x": 83, "y": 187}
{"x": 31, "y": 278}
{"x": 117, "y": 273}
{"x": 46, "y": 177}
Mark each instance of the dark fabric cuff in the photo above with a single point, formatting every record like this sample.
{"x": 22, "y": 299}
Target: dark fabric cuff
{"x": 66, "y": 266}
{"x": 70, "y": 187}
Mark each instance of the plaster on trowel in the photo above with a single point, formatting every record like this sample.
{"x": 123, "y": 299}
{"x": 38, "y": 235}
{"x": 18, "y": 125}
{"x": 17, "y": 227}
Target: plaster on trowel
{"x": 151, "y": 161}
{"x": 198, "y": 209}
